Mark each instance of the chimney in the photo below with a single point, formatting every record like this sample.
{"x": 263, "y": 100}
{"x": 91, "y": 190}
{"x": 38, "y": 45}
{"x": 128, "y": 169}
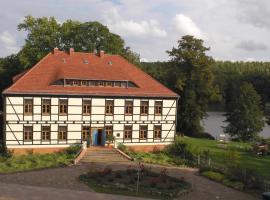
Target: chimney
{"x": 56, "y": 51}
{"x": 71, "y": 51}
{"x": 101, "y": 53}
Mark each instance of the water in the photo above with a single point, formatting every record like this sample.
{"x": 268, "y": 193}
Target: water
{"x": 214, "y": 122}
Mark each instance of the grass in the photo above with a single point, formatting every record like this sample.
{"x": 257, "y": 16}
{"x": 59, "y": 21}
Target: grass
{"x": 18, "y": 163}
{"x": 245, "y": 157}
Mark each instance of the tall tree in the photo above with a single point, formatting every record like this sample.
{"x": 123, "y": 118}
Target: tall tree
{"x": 43, "y": 34}
{"x": 194, "y": 84}
{"x": 244, "y": 115}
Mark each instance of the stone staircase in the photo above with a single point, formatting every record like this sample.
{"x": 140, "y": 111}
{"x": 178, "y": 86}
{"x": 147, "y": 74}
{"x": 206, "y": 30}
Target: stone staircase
{"x": 103, "y": 154}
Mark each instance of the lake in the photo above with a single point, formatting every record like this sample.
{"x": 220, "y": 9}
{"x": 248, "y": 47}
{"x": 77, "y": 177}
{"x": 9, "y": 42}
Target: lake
{"x": 214, "y": 122}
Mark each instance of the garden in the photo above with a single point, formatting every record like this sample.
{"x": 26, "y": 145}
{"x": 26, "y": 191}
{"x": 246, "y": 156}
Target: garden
{"x": 233, "y": 164}
{"x": 15, "y": 163}
{"x": 136, "y": 181}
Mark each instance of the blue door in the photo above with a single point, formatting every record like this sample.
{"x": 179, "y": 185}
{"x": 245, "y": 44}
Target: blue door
{"x": 94, "y": 136}
{"x": 103, "y": 141}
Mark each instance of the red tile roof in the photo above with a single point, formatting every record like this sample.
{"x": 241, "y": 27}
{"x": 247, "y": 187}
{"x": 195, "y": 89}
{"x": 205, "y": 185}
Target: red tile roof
{"x": 61, "y": 65}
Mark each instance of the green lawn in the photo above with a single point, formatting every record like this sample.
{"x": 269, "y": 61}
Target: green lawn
{"x": 247, "y": 159}
{"x": 17, "y": 163}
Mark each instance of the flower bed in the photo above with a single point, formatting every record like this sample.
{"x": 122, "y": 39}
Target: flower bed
{"x": 151, "y": 184}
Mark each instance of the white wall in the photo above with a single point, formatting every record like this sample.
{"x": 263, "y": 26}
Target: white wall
{"x": 15, "y": 120}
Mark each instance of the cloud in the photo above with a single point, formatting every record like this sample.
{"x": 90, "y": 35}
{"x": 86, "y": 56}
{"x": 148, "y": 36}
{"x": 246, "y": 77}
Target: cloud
{"x": 250, "y": 45}
{"x": 185, "y": 26}
{"x": 8, "y": 42}
{"x": 119, "y": 25}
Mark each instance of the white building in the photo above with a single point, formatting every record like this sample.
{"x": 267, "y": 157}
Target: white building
{"x": 67, "y": 97}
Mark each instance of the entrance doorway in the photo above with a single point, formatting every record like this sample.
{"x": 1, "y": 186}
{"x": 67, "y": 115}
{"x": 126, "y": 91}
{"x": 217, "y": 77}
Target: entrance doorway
{"x": 98, "y": 136}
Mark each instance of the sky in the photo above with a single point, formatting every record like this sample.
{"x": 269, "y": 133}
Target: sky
{"x": 233, "y": 29}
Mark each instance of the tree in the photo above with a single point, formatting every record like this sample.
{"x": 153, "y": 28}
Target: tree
{"x": 194, "y": 83}
{"x": 244, "y": 115}
{"x": 43, "y": 34}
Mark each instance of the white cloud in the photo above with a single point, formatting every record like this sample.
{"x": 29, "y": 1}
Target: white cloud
{"x": 8, "y": 42}
{"x": 119, "y": 25}
{"x": 185, "y": 26}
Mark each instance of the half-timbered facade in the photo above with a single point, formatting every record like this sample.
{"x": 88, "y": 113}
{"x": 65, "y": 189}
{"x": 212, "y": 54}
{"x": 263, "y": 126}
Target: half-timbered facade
{"x": 70, "y": 97}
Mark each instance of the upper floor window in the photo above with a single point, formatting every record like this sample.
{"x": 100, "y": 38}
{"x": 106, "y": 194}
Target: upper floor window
{"x": 109, "y": 107}
{"x": 86, "y": 107}
{"x": 28, "y": 133}
{"x": 46, "y": 133}
{"x": 144, "y": 107}
{"x": 109, "y": 130}
{"x": 128, "y": 132}
{"x": 63, "y": 106}
{"x": 28, "y": 106}
{"x": 129, "y": 107}
{"x": 143, "y": 132}
{"x": 62, "y": 133}
{"x": 46, "y": 106}
{"x": 158, "y": 107}
{"x": 157, "y": 132}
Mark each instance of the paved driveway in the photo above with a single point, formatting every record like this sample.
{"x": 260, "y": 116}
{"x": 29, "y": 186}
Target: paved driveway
{"x": 63, "y": 183}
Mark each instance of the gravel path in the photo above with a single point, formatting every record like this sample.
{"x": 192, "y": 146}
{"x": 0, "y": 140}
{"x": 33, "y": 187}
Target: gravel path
{"x": 67, "y": 178}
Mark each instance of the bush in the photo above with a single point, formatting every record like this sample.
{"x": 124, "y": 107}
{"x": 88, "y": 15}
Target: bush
{"x": 234, "y": 184}
{"x": 204, "y": 135}
{"x": 215, "y": 176}
{"x": 110, "y": 138}
{"x": 122, "y": 147}
{"x": 180, "y": 148}
{"x": 73, "y": 149}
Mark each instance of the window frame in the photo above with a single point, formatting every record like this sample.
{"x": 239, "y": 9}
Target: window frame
{"x": 157, "y": 128}
{"x": 87, "y": 109}
{"x": 127, "y": 108}
{"x": 128, "y": 132}
{"x": 144, "y": 108}
{"x": 46, "y": 132}
{"x": 158, "y": 107}
{"x": 63, "y": 102}
{"x": 28, "y": 134}
{"x": 61, "y": 131}
{"x": 145, "y": 133}
{"x": 84, "y": 129}
{"x": 47, "y": 107}
{"x": 29, "y": 107}
{"x": 110, "y": 108}
{"x": 110, "y": 128}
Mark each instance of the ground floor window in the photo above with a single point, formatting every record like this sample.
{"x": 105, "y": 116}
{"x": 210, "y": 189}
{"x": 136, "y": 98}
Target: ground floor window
{"x": 109, "y": 130}
{"x": 62, "y": 133}
{"x": 28, "y": 134}
{"x": 46, "y": 133}
{"x": 85, "y": 132}
{"x": 143, "y": 132}
{"x": 157, "y": 132}
{"x": 128, "y": 132}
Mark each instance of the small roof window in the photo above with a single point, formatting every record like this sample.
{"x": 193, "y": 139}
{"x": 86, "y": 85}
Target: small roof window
{"x": 85, "y": 61}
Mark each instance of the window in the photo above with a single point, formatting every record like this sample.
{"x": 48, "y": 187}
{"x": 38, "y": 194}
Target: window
{"x": 117, "y": 84}
{"x": 84, "y": 83}
{"x": 63, "y": 105}
{"x": 46, "y": 133}
{"x": 86, "y": 107}
{"x": 128, "y": 132}
{"x": 144, "y": 107}
{"x": 62, "y": 133}
{"x": 109, "y": 83}
{"x": 158, "y": 107}
{"x": 124, "y": 84}
{"x": 75, "y": 82}
{"x": 28, "y": 106}
{"x": 157, "y": 132}
{"x": 46, "y": 106}
{"x": 28, "y": 133}
{"x": 129, "y": 107}
{"x": 109, "y": 130}
{"x": 101, "y": 83}
{"x": 85, "y": 132}
{"x": 143, "y": 132}
{"x": 109, "y": 107}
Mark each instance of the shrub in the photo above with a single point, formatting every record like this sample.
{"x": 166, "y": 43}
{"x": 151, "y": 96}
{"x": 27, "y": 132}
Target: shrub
{"x": 73, "y": 149}
{"x": 122, "y": 147}
{"x": 180, "y": 148}
{"x": 204, "y": 135}
{"x": 234, "y": 184}
{"x": 215, "y": 176}
{"x": 110, "y": 138}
